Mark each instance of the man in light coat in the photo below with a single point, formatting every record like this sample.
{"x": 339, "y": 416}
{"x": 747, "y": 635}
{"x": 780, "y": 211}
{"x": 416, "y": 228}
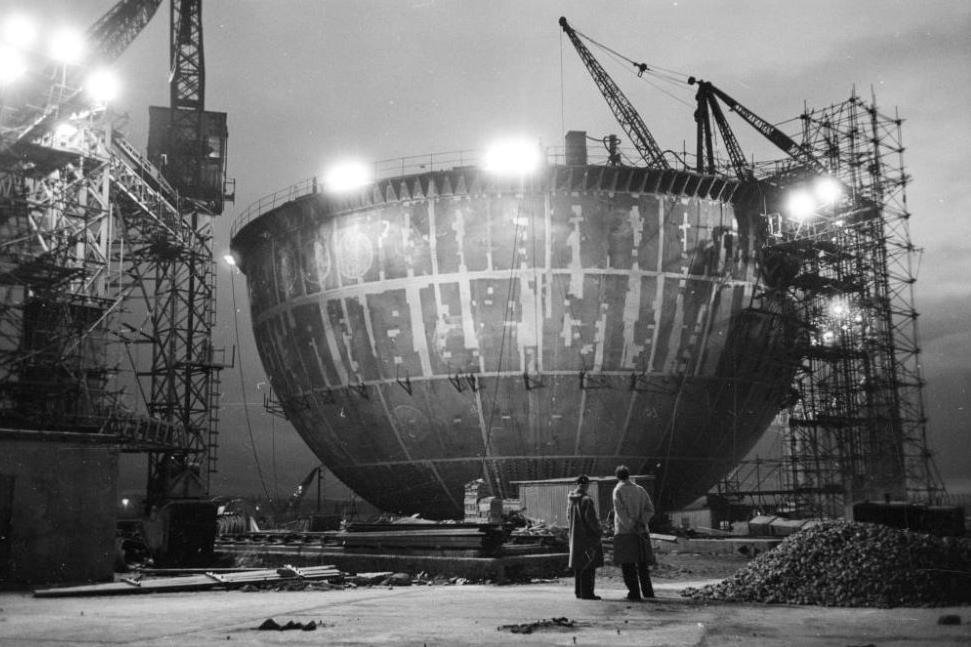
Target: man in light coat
{"x": 633, "y": 508}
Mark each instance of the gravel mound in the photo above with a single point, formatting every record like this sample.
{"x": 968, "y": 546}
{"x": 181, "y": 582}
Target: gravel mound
{"x": 851, "y": 564}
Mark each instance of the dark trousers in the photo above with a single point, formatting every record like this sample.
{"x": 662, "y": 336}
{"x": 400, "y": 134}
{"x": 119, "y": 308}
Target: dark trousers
{"x": 583, "y": 582}
{"x": 638, "y": 580}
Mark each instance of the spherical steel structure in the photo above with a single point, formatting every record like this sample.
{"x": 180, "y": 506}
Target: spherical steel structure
{"x": 444, "y": 326}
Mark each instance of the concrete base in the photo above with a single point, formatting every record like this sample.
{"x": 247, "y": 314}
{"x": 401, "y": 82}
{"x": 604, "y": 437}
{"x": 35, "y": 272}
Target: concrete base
{"x": 495, "y": 569}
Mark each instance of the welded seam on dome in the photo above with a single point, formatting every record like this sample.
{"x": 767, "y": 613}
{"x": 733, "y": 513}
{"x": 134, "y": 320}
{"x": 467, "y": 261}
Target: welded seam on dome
{"x": 404, "y": 448}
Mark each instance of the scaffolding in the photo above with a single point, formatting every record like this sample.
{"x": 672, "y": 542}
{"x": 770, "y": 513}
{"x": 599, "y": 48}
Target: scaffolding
{"x": 100, "y": 257}
{"x": 856, "y": 429}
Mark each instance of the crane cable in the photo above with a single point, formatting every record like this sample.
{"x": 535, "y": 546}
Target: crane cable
{"x": 643, "y": 68}
{"x": 242, "y": 384}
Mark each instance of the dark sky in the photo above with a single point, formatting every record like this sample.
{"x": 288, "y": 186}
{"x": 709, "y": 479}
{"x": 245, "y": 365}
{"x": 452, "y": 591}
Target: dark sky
{"x": 308, "y": 82}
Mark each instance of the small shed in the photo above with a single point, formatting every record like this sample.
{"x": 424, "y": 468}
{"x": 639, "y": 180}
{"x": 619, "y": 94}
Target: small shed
{"x": 546, "y": 500}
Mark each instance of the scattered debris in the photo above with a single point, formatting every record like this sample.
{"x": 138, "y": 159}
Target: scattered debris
{"x": 269, "y": 625}
{"x": 272, "y": 625}
{"x": 853, "y": 564}
{"x": 530, "y": 627}
{"x": 398, "y": 579}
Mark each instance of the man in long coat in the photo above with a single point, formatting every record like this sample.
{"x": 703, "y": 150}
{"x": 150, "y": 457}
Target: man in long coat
{"x": 586, "y": 547}
{"x": 633, "y": 508}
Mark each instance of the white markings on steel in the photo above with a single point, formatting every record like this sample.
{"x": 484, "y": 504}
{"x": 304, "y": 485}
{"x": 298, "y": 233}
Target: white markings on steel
{"x": 632, "y": 310}
{"x": 419, "y": 340}
{"x": 576, "y": 264}
{"x": 433, "y": 251}
{"x": 684, "y": 227}
{"x": 632, "y": 298}
{"x": 599, "y": 339}
{"x": 468, "y": 322}
{"x": 659, "y": 284}
{"x": 566, "y": 332}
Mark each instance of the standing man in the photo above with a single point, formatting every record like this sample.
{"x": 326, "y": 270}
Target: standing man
{"x": 632, "y": 540}
{"x": 586, "y": 547}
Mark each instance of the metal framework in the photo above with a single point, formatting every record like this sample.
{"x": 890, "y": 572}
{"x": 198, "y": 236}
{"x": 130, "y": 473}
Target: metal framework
{"x": 84, "y": 225}
{"x": 857, "y": 428}
{"x": 185, "y": 370}
{"x": 100, "y": 258}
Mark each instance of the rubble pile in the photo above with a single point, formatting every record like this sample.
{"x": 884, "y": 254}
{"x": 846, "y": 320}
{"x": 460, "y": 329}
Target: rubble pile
{"x": 852, "y": 564}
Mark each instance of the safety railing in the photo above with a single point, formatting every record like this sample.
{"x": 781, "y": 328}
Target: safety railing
{"x": 397, "y": 167}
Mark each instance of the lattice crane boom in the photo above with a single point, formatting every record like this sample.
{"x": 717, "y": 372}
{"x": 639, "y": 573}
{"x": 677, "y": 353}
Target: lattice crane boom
{"x": 114, "y": 32}
{"x": 623, "y": 110}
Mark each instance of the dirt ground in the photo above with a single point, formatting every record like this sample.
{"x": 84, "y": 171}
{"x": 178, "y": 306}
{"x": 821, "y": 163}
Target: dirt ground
{"x": 679, "y": 567}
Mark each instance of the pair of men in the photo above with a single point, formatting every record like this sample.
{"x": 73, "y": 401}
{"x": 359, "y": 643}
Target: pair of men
{"x": 632, "y": 510}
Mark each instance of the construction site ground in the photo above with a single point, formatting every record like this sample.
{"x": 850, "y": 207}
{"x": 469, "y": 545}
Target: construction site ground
{"x": 541, "y": 612}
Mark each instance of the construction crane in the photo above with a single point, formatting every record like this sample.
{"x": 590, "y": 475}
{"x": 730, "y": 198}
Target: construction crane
{"x": 90, "y": 227}
{"x": 188, "y": 144}
{"x": 706, "y": 97}
{"x": 623, "y": 110}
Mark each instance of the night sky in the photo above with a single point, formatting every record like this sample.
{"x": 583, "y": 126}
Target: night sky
{"x": 306, "y": 83}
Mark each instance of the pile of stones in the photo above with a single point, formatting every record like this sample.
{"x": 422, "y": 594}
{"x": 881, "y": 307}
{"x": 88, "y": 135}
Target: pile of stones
{"x": 852, "y": 564}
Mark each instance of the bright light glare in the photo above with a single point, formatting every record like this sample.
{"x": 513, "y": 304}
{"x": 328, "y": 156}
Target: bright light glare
{"x": 67, "y": 46}
{"x": 103, "y": 86}
{"x": 800, "y": 205}
{"x": 347, "y": 176}
{"x": 64, "y": 133}
{"x": 839, "y": 308}
{"x": 828, "y": 337}
{"x": 12, "y": 65}
{"x": 230, "y": 260}
{"x": 827, "y": 190}
{"x": 19, "y": 31}
{"x": 512, "y": 157}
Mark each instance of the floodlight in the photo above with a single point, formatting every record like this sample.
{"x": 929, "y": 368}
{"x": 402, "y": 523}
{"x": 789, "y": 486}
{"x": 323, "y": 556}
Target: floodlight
{"x": 829, "y": 337}
{"x": 103, "y": 85}
{"x": 67, "y": 46}
{"x": 827, "y": 190}
{"x": 12, "y": 65}
{"x": 839, "y": 308}
{"x": 347, "y": 176}
{"x": 19, "y": 31}
{"x": 230, "y": 260}
{"x": 800, "y": 205}
{"x": 512, "y": 157}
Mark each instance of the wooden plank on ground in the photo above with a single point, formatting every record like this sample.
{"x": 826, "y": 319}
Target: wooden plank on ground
{"x": 208, "y": 580}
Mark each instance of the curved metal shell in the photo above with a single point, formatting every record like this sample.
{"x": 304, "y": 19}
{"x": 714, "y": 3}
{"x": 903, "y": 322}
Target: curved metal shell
{"x": 444, "y": 327}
